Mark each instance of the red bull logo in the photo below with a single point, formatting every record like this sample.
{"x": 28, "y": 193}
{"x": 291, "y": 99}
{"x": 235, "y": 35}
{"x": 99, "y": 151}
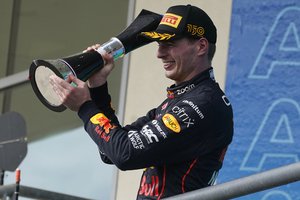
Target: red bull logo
{"x": 149, "y": 189}
{"x": 103, "y": 121}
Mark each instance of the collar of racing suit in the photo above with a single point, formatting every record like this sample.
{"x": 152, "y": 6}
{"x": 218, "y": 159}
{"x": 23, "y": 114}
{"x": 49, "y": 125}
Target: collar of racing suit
{"x": 177, "y": 90}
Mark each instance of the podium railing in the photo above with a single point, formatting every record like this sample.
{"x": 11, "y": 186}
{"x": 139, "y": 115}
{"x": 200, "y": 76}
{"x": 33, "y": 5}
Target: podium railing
{"x": 244, "y": 186}
{"x": 229, "y": 190}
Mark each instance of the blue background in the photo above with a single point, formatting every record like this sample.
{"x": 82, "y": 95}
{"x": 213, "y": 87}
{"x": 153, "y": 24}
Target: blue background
{"x": 263, "y": 84}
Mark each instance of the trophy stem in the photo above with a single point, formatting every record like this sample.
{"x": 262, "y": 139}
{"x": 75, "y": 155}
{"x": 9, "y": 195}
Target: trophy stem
{"x": 114, "y": 46}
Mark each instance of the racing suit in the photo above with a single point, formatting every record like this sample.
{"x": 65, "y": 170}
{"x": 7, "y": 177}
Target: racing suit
{"x": 180, "y": 144}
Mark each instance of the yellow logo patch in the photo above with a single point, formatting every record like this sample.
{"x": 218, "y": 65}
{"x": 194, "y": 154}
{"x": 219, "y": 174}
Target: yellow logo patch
{"x": 171, "y": 122}
{"x": 171, "y": 20}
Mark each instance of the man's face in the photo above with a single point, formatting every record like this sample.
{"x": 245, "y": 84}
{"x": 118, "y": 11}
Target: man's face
{"x": 179, "y": 59}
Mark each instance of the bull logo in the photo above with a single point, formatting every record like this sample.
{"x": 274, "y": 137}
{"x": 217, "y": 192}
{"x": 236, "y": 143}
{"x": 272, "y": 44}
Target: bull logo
{"x": 103, "y": 121}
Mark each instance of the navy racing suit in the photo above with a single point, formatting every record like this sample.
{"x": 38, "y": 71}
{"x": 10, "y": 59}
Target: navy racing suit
{"x": 180, "y": 144}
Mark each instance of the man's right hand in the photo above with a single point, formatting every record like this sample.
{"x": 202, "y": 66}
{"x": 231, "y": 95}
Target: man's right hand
{"x": 100, "y": 77}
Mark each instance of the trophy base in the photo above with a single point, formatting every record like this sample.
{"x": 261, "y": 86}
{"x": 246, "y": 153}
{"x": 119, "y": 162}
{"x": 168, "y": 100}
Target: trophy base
{"x": 39, "y": 73}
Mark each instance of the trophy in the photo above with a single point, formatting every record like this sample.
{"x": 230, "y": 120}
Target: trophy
{"x": 82, "y": 65}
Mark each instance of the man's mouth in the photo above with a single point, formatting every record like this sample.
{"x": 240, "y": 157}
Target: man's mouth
{"x": 168, "y": 64}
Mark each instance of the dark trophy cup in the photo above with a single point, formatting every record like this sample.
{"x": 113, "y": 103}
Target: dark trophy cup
{"x": 84, "y": 64}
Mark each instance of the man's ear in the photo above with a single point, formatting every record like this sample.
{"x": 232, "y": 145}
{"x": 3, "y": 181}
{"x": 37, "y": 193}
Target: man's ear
{"x": 202, "y": 46}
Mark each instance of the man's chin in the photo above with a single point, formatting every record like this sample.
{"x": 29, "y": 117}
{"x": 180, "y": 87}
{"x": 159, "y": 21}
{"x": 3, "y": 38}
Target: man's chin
{"x": 170, "y": 75}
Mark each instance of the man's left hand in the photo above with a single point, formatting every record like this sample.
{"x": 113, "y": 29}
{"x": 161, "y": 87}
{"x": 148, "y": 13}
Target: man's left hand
{"x": 72, "y": 92}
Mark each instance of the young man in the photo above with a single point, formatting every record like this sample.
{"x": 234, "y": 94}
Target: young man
{"x": 181, "y": 143}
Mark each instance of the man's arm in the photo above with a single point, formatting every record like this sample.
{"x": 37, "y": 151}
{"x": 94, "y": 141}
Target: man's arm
{"x": 176, "y": 135}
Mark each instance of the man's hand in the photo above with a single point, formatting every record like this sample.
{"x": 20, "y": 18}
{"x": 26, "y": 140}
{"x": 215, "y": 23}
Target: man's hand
{"x": 100, "y": 77}
{"x": 72, "y": 92}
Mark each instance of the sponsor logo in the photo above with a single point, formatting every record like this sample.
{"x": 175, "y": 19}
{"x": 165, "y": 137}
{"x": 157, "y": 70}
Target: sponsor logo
{"x": 183, "y": 116}
{"x": 195, "y": 107}
{"x": 150, "y": 188}
{"x": 103, "y": 121}
{"x": 102, "y": 134}
{"x": 171, "y": 122}
{"x": 104, "y": 126}
{"x": 195, "y": 30}
{"x": 136, "y": 140}
{"x": 148, "y": 134}
{"x": 185, "y": 89}
{"x": 171, "y": 20}
{"x": 155, "y": 123}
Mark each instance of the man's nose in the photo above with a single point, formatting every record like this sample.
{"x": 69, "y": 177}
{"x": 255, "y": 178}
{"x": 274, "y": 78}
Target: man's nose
{"x": 161, "y": 52}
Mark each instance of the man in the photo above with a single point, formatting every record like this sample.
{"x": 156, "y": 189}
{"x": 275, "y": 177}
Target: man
{"x": 181, "y": 143}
